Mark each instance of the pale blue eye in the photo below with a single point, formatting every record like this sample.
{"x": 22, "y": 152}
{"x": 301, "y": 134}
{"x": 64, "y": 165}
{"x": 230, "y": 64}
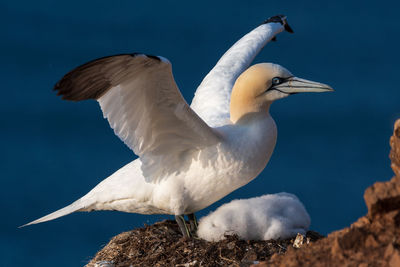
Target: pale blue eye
{"x": 276, "y": 80}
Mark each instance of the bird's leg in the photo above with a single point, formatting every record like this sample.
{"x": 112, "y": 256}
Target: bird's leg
{"x": 193, "y": 222}
{"x": 180, "y": 219}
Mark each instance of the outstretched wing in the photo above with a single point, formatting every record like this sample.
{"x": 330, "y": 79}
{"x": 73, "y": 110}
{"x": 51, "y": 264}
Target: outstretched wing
{"x": 139, "y": 97}
{"x": 212, "y": 98}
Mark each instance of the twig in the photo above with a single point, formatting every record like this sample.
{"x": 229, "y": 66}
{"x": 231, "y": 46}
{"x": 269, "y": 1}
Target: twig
{"x": 226, "y": 259}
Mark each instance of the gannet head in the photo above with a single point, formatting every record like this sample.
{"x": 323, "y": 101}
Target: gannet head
{"x": 261, "y": 84}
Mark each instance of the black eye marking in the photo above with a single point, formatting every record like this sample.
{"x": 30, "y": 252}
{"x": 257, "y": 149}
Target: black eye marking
{"x": 276, "y": 80}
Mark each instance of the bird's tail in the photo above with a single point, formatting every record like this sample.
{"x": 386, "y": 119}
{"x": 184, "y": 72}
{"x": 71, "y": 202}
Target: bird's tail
{"x": 76, "y": 206}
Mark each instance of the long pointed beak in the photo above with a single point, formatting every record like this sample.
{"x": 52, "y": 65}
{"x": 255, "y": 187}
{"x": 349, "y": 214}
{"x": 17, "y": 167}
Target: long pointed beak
{"x": 295, "y": 85}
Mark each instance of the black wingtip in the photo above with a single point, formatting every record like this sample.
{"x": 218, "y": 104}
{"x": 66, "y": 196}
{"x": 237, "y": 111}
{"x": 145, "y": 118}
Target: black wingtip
{"x": 279, "y": 19}
{"x": 288, "y": 28}
{"x": 94, "y": 78}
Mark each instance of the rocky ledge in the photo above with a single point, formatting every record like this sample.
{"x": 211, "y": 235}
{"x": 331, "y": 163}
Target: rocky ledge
{"x": 373, "y": 240}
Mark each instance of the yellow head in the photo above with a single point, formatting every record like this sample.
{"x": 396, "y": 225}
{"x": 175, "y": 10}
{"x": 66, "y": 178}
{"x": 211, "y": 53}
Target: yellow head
{"x": 261, "y": 84}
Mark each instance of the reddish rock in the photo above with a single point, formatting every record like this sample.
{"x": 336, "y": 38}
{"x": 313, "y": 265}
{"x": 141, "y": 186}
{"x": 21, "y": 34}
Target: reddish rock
{"x": 383, "y": 197}
{"x": 395, "y": 153}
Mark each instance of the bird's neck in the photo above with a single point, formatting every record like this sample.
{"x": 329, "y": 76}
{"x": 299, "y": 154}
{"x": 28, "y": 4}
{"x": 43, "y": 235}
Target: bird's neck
{"x": 243, "y": 106}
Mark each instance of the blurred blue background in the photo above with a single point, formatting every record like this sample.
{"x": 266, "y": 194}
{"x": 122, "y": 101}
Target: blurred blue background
{"x": 330, "y": 147}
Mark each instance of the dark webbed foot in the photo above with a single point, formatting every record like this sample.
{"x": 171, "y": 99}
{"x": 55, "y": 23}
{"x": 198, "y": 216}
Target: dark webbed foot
{"x": 180, "y": 219}
{"x": 193, "y": 223}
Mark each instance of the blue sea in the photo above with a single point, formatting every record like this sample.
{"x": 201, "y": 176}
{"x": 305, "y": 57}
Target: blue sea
{"x": 330, "y": 147}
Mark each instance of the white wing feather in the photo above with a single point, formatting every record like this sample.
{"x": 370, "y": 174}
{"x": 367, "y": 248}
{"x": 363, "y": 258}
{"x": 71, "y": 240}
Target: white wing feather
{"x": 212, "y": 97}
{"x": 140, "y": 99}
{"x": 149, "y": 114}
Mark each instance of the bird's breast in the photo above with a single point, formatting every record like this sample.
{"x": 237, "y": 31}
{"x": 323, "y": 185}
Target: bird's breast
{"x": 220, "y": 170}
{"x": 252, "y": 144}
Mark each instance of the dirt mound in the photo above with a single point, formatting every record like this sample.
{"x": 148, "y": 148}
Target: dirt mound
{"x": 373, "y": 240}
{"x": 162, "y": 244}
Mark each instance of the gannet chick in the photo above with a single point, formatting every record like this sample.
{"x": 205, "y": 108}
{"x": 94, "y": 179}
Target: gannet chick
{"x": 275, "y": 216}
{"x": 189, "y": 157}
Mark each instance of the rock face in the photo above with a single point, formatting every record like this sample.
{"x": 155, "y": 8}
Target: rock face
{"x": 373, "y": 240}
{"x": 383, "y": 197}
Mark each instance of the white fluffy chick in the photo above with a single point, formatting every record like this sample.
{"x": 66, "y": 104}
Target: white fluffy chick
{"x": 274, "y": 216}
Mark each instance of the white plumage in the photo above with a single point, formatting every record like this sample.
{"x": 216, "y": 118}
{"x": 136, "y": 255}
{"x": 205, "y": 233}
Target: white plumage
{"x": 275, "y": 216}
{"x": 189, "y": 157}
{"x": 212, "y": 98}
{"x": 154, "y": 120}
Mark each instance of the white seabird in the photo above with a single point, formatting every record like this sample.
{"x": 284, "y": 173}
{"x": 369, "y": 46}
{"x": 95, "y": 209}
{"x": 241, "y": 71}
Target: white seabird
{"x": 274, "y": 216}
{"x": 189, "y": 157}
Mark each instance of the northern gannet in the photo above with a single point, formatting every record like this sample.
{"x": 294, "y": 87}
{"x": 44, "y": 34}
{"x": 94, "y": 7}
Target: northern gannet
{"x": 189, "y": 156}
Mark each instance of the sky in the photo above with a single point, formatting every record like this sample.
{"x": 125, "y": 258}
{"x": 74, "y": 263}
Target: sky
{"x": 330, "y": 146}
